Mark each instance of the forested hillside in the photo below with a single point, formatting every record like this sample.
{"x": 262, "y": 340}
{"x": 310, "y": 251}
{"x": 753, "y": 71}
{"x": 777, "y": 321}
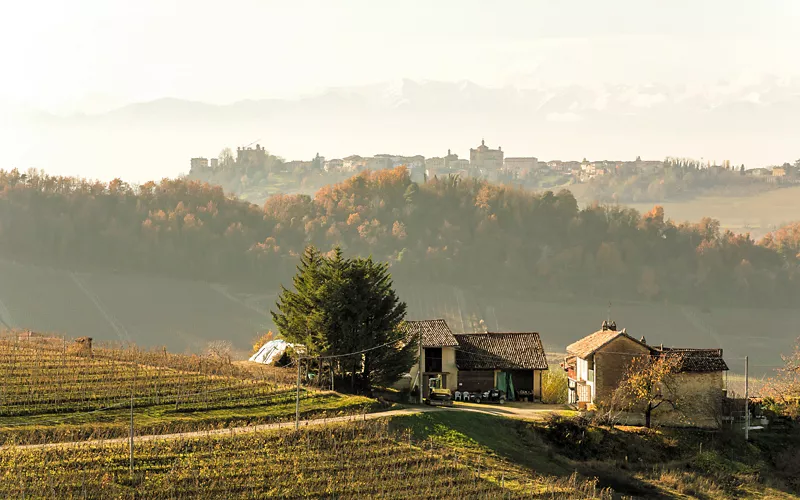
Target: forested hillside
{"x": 462, "y": 232}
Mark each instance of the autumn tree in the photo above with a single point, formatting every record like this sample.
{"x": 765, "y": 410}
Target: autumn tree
{"x": 647, "y": 385}
{"x": 783, "y": 391}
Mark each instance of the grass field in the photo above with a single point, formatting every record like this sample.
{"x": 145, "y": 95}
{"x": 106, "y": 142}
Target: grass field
{"x": 148, "y": 310}
{"x": 757, "y": 215}
{"x": 50, "y": 394}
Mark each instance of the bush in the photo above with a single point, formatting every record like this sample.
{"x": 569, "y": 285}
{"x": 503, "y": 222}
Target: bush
{"x": 554, "y": 387}
{"x": 262, "y": 339}
{"x": 573, "y": 435}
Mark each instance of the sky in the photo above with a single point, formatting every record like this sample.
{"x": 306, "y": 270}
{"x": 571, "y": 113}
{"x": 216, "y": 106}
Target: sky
{"x": 94, "y": 55}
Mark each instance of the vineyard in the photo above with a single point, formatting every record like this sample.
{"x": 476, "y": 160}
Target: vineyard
{"x": 361, "y": 460}
{"x": 54, "y": 390}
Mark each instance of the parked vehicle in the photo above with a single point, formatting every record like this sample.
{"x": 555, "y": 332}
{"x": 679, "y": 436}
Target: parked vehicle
{"x": 438, "y": 395}
{"x": 491, "y": 396}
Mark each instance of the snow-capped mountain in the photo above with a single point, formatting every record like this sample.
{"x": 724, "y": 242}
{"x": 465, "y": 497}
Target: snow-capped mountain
{"x": 752, "y": 122}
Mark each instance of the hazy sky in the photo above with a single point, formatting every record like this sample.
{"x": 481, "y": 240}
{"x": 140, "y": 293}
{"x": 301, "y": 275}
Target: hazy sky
{"x": 94, "y": 54}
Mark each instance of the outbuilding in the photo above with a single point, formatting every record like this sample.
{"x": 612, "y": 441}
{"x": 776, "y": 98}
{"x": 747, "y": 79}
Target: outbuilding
{"x": 512, "y": 362}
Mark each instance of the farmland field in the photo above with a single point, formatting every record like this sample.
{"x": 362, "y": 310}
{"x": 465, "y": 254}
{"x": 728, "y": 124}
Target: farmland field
{"x": 52, "y": 394}
{"x": 757, "y": 214}
{"x": 437, "y": 454}
{"x": 148, "y": 310}
{"x": 382, "y": 459}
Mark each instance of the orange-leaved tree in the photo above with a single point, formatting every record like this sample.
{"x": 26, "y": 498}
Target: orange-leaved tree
{"x": 262, "y": 339}
{"x": 782, "y": 392}
{"x": 647, "y": 384}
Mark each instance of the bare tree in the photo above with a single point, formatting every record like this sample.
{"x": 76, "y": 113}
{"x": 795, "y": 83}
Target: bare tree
{"x": 219, "y": 349}
{"x": 647, "y": 385}
{"x": 783, "y": 390}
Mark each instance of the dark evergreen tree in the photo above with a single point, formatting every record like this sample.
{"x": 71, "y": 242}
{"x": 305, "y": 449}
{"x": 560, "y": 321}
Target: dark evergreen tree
{"x": 300, "y": 315}
{"x": 342, "y": 306}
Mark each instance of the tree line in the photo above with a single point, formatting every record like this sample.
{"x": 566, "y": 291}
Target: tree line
{"x": 678, "y": 178}
{"x": 464, "y": 232}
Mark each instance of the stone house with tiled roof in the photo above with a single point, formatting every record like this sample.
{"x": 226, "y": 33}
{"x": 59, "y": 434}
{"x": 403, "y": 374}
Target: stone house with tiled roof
{"x": 597, "y": 363}
{"x": 478, "y": 361}
{"x": 438, "y": 346}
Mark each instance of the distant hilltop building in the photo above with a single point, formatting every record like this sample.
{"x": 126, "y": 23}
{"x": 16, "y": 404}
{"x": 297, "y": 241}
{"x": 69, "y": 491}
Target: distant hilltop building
{"x": 353, "y": 163}
{"x": 334, "y": 165}
{"x": 521, "y": 164}
{"x": 199, "y": 164}
{"x": 485, "y": 158}
{"x": 251, "y": 157}
{"x": 443, "y": 164}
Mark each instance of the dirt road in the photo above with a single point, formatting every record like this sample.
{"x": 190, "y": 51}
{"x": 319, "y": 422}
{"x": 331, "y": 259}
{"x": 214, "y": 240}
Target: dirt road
{"x": 523, "y": 411}
{"x": 232, "y": 431}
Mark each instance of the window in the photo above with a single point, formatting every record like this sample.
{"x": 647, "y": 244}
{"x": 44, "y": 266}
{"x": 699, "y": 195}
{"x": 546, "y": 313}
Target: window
{"x": 433, "y": 359}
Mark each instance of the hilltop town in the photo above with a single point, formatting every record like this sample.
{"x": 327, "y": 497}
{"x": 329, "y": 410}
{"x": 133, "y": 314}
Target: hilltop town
{"x": 256, "y": 173}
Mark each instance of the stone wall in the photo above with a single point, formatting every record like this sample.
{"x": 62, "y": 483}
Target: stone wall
{"x": 611, "y": 363}
{"x": 698, "y": 397}
{"x": 449, "y": 366}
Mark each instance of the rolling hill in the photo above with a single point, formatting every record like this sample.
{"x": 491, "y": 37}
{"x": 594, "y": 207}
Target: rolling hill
{"x": 185, "y": 315}
{"x": 145, "y": 309}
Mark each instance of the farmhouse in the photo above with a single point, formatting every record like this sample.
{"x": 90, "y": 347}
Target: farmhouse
{"x": 438, "y": 352}
{"x": 597, "y": 364}
{"x": 474, "y": 362}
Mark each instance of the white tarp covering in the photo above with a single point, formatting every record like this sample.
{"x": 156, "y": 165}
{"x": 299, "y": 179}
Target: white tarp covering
{"x": 271, "y": 352}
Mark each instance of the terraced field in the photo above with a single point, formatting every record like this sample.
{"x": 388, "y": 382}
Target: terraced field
{"x": 51, "y": 394}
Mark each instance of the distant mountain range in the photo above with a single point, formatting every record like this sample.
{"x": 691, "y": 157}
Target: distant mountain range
{"x": 755, "y": 124}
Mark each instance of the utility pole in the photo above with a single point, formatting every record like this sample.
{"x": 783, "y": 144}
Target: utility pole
{"x": 297, "y": 398}
{"x": 419, "y": 368}
{"x": 746, "y": 402}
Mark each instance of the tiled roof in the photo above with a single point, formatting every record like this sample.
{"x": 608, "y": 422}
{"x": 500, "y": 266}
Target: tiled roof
{"x": 590, "y": 344}
{"x": 500, "y": 351}
{"x": 695, "y": 360}
{"x": 435, "y": 332}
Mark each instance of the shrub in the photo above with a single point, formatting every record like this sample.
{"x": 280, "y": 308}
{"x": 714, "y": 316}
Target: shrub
{"x": 261, "y": 340}
{"x": 554, "y": 387}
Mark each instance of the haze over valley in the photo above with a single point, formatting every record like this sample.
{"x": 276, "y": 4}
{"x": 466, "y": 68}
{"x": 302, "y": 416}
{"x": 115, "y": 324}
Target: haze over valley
{"x": 403, "y": 250}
